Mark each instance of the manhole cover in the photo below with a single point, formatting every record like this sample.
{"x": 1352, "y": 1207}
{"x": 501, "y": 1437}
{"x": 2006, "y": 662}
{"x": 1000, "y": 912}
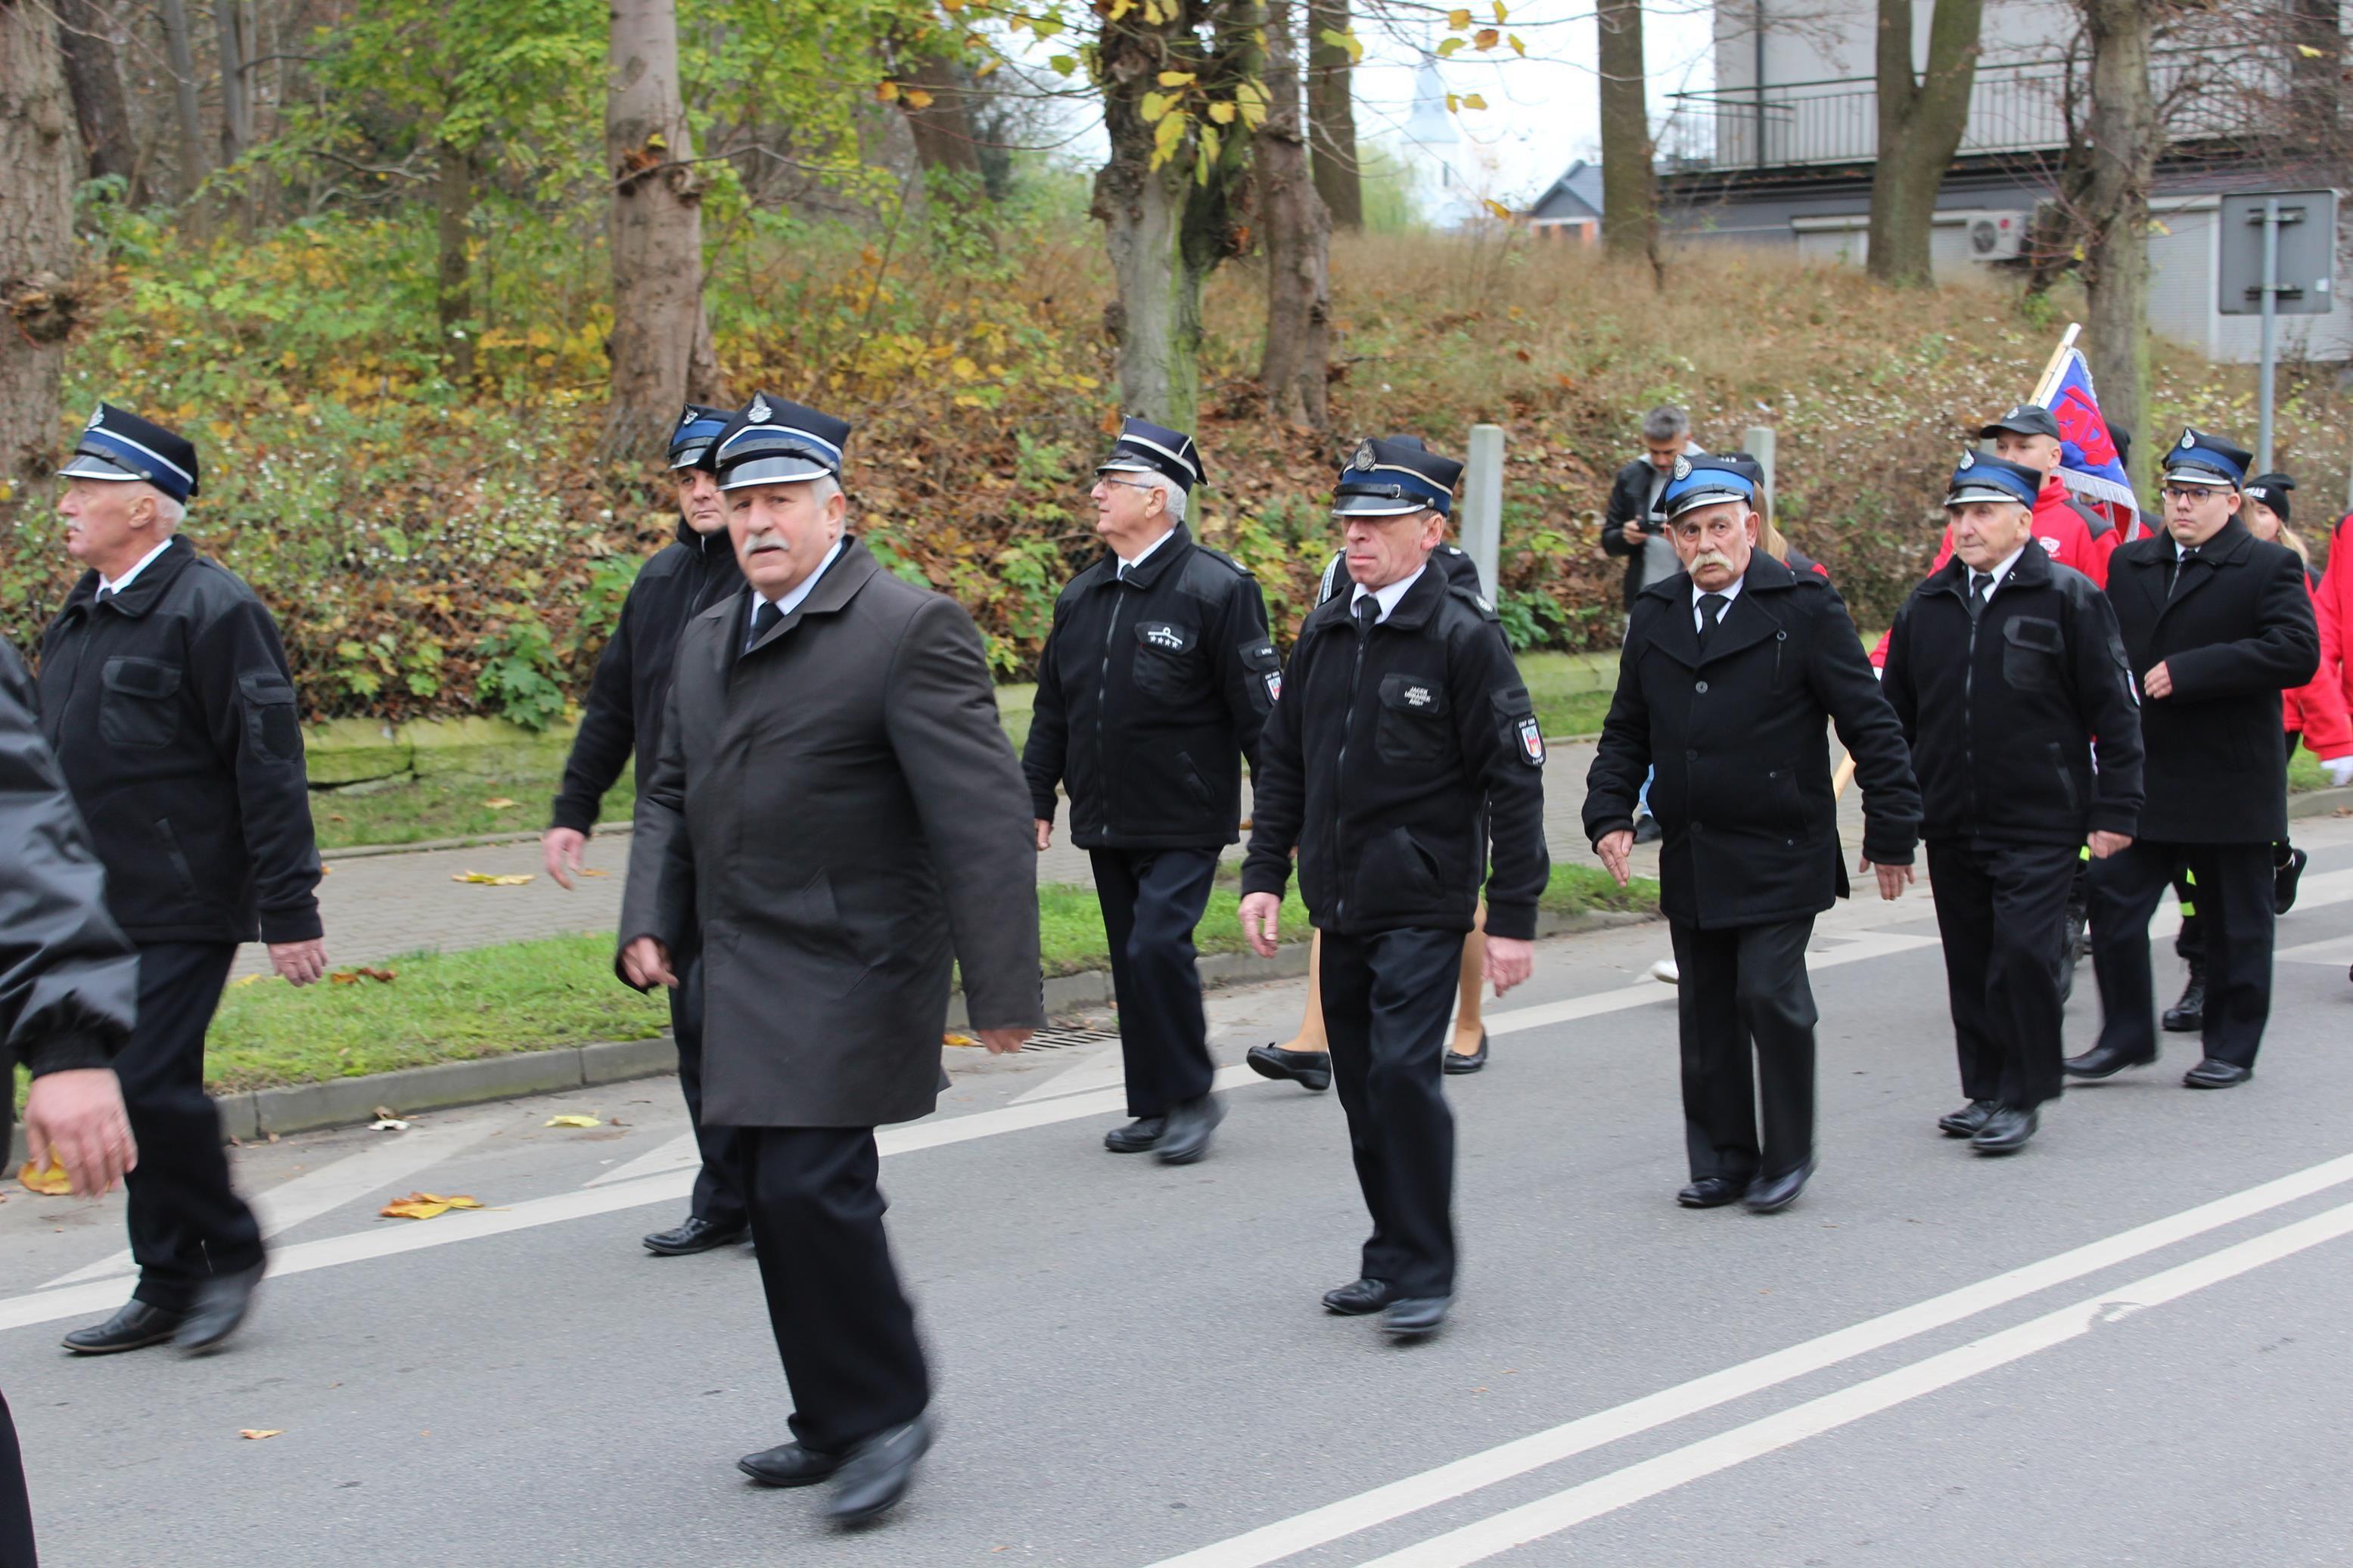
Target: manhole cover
{"x": 1067, "y": 1039}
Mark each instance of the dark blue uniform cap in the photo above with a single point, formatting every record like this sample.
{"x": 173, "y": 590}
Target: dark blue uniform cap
{"x": 1146, "y": 448}
{"x": 1387, "y": 477}
{"x": 2026, "y": 419}
{"x": 2198, "y": 459}
{"x": 1979, "y": 476}
{"x": 118, "y": 444}
{"x": 773, "y": 442}
{"x": 698, "y": 426}
{"x": 2272, "y": 490}
{"x": 1710, "y": 477}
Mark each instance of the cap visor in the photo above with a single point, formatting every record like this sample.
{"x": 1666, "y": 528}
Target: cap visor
{"x": 777, "y": 471}
{"x": 690, "y": 455}
{"x": 1379, "y": 506}
{"x": 2200, "y": 476}
{"x": 1708, "y": 498}
{"x": 1967, "y": 493}
{"x": 1126, "y": 466}
{"x": 84, "y": 465}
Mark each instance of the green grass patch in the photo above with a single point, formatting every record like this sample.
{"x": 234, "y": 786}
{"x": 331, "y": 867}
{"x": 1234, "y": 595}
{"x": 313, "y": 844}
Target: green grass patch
{"x": 449, "y": 805}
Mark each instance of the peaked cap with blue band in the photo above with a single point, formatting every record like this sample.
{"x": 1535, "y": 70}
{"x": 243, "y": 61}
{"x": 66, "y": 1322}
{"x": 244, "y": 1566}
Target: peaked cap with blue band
{"x": 1146, "y": 448}
{"x": 1387, "y": 477}
{"x": 698, "y": 426}
{"x": 1710, "y": 477}
{"x": 2198, "y": 458}
{"x": 118, "y": 444}
{"x": 1979, "y": 476}
{"x": 773, "y": 442}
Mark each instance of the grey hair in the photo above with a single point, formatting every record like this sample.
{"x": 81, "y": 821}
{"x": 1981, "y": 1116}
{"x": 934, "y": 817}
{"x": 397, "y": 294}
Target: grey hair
{"x": 824, "y": 487}
{"x": 1666, "y": 423}
{"x": 169, "y": 513}
{"x": 1170, "y": 492}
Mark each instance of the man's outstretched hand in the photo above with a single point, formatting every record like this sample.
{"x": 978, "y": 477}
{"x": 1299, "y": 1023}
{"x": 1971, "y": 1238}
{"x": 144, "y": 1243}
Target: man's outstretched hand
{"x": 1262, "y": 915}
{"x": 646, "y": 962}
{"x": 77, "y": 1116}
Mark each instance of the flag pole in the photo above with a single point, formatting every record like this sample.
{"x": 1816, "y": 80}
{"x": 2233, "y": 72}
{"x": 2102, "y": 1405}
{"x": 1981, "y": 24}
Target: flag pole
{"x": 2058, "y": 358}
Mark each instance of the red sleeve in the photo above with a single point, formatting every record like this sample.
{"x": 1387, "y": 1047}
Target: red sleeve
{"x": 2320, "y": 710}
{"x": 2334, "y": 604}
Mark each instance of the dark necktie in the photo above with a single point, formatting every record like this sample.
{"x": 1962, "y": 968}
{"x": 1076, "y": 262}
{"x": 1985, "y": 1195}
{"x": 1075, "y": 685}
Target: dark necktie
{"x": 763, "y": 615}
{"x": 1123, "y": 570}
{"x": 1980, "y": 590}
{"x": 105, "y": 594}
{"x": 2181, "y": 560}
{"x": 1367, "y": 611}
{"x": 1711, "y": 614}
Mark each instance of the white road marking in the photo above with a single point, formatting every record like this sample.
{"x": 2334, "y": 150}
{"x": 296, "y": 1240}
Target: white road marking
{"x": 1647, "y": 992}
{"x": 1106, "y": 1068}
{"x": 1622, "y": 1489}
{"x": 679, "y": 1153}
{"x": 1281, "y": 1539}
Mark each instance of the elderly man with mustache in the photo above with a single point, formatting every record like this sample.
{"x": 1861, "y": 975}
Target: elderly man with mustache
{"x": 1732, "y": 671}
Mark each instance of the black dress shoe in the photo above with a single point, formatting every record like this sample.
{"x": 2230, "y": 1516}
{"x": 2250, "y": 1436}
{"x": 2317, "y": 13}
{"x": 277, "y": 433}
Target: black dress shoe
{"x": 2188, "y": 1015}
{"x": 1137, "y": 1136}
{"x": 1421, "y": 1315}
{"x": 697, "y": 1235}
{"x": 1966, "y": 1121}
{"x": 1310, "y": 1070}
{"x": 1358, "y": 1298}
{"x": 221, "y": 1304}
{"x": 1647, "y": 829}
{"x": 1771, "y": 1194}
{"x": 1190, "y": 1123}
{"x": 875, "y": 1474}
{"x": 1712, "y": 1193}
{"x": 2212, "y": 1074}
{"x": 2284, "y": 876}
{"x": 2101, "y": 1062}
{"x": 788, "y": 1464}
{"x": 134, "y": 1326}
{"x": 2007, "y": 1130}
{"x": 1467, "y": 1061}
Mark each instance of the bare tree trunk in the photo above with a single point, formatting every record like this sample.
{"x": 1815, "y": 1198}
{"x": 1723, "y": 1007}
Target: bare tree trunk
{"x": 1298, "y": 241}
{"x": 36, "y": 245}
{"x": 180, "y": 49}
{"x": 1332, "y": 116}
{"x": 661, "y": 337}
{"x": 1920, "y": 125}
{"x": 454, "y": 293}
{"x": 236, "y": 92}
{"x": 93, "y": 76}
{"x": 2121, "y": 137}
{"x": 946, "y": 145}
{"x": 1630, "y": 198}
{"x": 1143, "y": 211}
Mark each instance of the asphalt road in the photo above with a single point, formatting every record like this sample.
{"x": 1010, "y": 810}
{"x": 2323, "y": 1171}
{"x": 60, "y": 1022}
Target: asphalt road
{"x": 2125, "y": 1345}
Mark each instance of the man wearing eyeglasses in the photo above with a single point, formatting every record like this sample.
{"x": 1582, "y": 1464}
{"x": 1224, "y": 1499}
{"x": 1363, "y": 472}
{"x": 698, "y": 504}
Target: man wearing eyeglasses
{"x": 2216, "y": 623}
{"x": 1153, "y": 684}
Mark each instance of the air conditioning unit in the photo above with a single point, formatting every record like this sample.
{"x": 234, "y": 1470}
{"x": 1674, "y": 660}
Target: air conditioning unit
{"x": 1997, "y": 237}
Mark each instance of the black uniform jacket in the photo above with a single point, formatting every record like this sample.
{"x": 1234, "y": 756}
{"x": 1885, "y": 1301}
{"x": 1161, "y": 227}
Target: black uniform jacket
{"x": 1376, "y": 763}
{"x": 171, "y": 710}
{"x": 838, "y": 811}
{"x": 631, "y": 689}
{"x": 2001, "y": 711}
{"x": 1630, "y": 501}
{"x": 2236, "y": 631}
{"x": 1739, "y": 738}
{"x": 1150, "y": 693}
{"x": 68, "y": 978}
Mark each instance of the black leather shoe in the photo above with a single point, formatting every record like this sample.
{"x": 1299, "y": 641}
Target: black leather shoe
{"x": 2212, "y": 1074}
{"x": 875, "y": 1474}
{"x": 1771, "y": 1194}
{"x": 1137, "y": 1136}
{"x": 221, "y": 1304}
{"x": 697, "y": 1235}
{"x": 1966, "y": 1121}
{"x": 1190, "y": 1123}
{"x": 1409, "y": 1318}
{"x": 2100, "y": 1062}
{"x": 1309, "y": 1070}
{"x": 2284, "y": 876}
{"x": 1712, "y": 1193}
{"x": 2188, "y": 1015}
{"x": 788, "y": 1464}
{"x": 1358, "y": 1298}
{"x": 1647, "y": 829}
{"x": 2007, "y": 1130}
{"x": 134, "y": 1326}
{"x": 1467, "y": 1061}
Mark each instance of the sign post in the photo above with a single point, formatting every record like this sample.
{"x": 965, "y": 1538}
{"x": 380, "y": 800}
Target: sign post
{"x": 1482, "y": 505}
{"x": 2278, "y": 258}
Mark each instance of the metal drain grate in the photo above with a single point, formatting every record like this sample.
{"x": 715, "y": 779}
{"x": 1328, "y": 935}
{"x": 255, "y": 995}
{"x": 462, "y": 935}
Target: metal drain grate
{"x": 1065, "y": 1040}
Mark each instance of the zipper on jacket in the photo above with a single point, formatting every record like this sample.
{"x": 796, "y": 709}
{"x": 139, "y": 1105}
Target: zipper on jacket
{"x": 1969, "y": 710}
{"x": 1340, "y": 768}
{"x": 1103, "y": 695}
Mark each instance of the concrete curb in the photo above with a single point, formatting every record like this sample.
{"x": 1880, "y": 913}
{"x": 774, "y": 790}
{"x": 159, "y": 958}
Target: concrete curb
{"x": 2320, "y": 802}
{"x": 475, "y": 841}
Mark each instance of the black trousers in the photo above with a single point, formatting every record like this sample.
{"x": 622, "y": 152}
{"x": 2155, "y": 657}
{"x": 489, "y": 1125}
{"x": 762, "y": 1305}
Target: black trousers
{"x": 719, "y": 1185}
{"x": 843, "y": 1326}
{"x": 16, "y": 1508}
{"x": 1745, "y": 989}
{"x": 2002, "y": 909}
{"x": 2190, "y": 943}
{"x": 1386, "y": 1001}
{"x": 1152, "y": 900}
{"x": 2234, "y": 908}
{"x": 187, "y": 1221}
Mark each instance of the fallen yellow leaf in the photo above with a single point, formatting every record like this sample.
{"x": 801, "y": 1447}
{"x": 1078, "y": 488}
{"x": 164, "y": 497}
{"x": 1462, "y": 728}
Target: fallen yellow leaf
{"x": 52, "y": 1182}
{"x": 574, "y": 1121}
{"x": 255, "y": 1434}
{"x": 958, "y": 1040}
{"x": 591, "y": 871}
{"x": 426, "y": 1205}
{"x": 245, "y": 980}
{"x": 501, "y": 804}
{"x": 485, "y": 880}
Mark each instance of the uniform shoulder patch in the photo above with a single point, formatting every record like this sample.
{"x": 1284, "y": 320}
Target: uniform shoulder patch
{"x": 1227, "y": 561}
{"x": 1478, "y": 602}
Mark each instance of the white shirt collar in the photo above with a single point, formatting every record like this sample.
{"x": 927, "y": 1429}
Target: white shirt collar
{"x": 2000, "y": 569}
{"x": 1731, "y": 591}
{"x": 1386, "y": 597}
{"x": 117, "y": 585}
{"x": 1145, "y": 554}
{"x": 801, "y": 590}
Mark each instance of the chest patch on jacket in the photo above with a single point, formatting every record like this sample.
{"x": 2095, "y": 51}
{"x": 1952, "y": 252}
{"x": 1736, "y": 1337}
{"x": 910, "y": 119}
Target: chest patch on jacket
{"x": 1162, "y": 634}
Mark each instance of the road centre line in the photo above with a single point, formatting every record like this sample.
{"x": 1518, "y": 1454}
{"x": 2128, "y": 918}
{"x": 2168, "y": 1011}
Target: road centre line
{"x": 1333, "y": 1521}
{"x": 1635, "y": 1483}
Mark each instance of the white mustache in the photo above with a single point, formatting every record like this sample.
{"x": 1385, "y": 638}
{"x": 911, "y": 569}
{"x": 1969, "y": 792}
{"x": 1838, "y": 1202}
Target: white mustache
{"x": 1710, "y": 558}
{"x": 760, "y": 543}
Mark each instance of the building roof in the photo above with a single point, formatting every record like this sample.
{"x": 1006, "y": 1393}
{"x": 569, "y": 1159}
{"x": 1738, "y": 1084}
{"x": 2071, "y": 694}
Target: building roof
{"x": 1576, "y": 195}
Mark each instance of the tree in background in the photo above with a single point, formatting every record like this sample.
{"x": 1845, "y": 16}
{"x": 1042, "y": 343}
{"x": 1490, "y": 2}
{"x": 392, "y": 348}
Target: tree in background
{"x": 2121, "y": 136}
{"x": 1921, "y": 118}
{"x": 1332, "y": 112}
{"x": 36, "y": 243}
{"x": 1629, "y": 195}
{"x": 1294, "y": 368}
{"x": 180, "y": 52}
{"x": 94, "y": 77}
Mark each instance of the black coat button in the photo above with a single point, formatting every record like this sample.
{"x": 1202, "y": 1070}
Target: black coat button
{"x": 1700, "y": 687}
{"x": 1691, "y": 756}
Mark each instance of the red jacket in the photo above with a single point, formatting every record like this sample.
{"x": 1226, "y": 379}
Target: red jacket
{"x": 2323, "y": 710}
{"x": 2073, "y": 534}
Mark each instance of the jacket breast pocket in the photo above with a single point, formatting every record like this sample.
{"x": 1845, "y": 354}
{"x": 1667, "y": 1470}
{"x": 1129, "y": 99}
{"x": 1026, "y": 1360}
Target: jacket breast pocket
{"x": 139, "y": 705}
{"x": 2031, "y": 651}
{"x": 1167, "y": 658}
{"x": 1413, "y": 724}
